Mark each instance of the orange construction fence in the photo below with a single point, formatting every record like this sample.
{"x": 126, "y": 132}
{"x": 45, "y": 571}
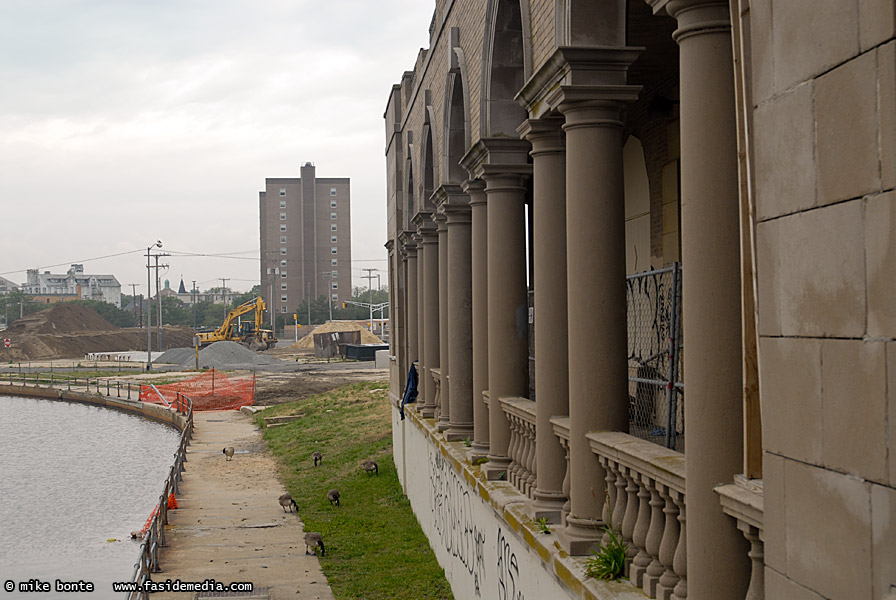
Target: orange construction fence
{"x": 212, "y": 390}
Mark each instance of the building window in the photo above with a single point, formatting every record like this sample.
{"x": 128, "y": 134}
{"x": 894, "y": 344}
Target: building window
{"x": 334, "y": 262}
{"x": 282, "y": 216}
{"x": 332, "y": 204}
{"x": 282, "y": 250}
{"x": 335, "y": 273}
{"x": 283, "y": 275}
{"x": 282, "y": 239}
{"x": 332, "y": 239}
{"x": 282, "y": 192}
{"x": 332, "y": 191}
{"x": 282, "y": 263}
{"x": 332, "y": 215}
{"x": 283, "y": 287}
{"x": 335, "y": 296}
{"x": 283, "y": 309}
{"x": 333, "y": 227}
{"x": 333, "y": 250}
{"x": 283, "y": 204}
{"x": 335, "y": 285}
{"x": 283, "y": 298}
{"x": 282, "y": 227}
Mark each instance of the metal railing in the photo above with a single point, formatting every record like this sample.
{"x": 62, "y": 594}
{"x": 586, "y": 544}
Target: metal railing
{"x": 112, "y": 389}
{"x": 154, "y": 538}
{"x": 656, "y": 391}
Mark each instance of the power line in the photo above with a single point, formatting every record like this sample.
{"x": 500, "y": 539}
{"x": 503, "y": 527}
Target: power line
{"x": 72, "y": 262}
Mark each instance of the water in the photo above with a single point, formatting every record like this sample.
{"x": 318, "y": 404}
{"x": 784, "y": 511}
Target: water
{"x": 72, "y": 477}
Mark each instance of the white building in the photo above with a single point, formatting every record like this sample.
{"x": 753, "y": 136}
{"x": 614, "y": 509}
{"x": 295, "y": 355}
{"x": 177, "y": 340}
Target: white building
{"x": 7, "y": 286}
{"x": 105, "y": 288}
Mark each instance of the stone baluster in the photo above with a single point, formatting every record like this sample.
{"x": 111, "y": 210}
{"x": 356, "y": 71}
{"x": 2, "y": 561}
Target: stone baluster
{"x": 639, "y": 535}
{"x": 756, "y": 591}
{"x": 621, "y": 497}
{"x": 654, "y": 539}
{"x": 610, "y": 500}
{"x": 531, "y": 462}
{"x": 667, "y": 548}
{"x": 513, "y": 469}
{"x": 561, "y": 430}
{"x": 680, "y": 562}
{"x": 631, "y": 517}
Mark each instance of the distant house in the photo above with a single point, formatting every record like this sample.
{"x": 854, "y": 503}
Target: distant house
{"x": 73, "y": 285}
{"x": 7, "y": 286}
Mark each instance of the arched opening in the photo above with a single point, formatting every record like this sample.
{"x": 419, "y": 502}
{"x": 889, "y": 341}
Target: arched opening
{"x": 505, "y": 70}
{"x": 429, "y": 169}
{"x": 410, "y": 205}
{"x": 456, "y": 134}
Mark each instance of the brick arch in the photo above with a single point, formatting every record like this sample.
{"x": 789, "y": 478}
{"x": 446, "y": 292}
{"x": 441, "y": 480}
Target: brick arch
{"x": 506, "y": 63}
{"x": 456, "y": 121}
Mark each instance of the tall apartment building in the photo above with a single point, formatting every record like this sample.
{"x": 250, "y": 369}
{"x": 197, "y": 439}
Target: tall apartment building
{"x": 305, "y": 239}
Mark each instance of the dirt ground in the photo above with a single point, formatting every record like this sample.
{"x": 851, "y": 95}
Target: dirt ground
{"x": 278, "y": 388}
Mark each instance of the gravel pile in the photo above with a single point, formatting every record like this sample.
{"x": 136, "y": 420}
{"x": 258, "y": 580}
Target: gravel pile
{"x": 229, "y": 355}
{"x": 177, "y": 356}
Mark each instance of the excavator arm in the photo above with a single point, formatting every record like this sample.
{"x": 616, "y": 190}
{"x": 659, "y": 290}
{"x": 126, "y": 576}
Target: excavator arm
{"x": 226, "y": 330}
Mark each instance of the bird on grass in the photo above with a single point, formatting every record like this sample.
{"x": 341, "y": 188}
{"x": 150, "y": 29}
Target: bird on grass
{"x": 318, "y": 457}
{"x": 287, "y": 501}
{"x": 333, "y": 497}
{"x": 314, "y": 539}
{"x": 371, "y": 467}
{"x": 228, "y": 452}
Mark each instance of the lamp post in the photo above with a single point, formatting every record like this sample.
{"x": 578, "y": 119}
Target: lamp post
{"x": 158, "y": 244}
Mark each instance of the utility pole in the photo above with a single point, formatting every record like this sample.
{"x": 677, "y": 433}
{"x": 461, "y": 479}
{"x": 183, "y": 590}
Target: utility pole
{"x": 159, "y": 292}
{"x": 308, "y": 303}
{"x": 193, "y": 303}
{"x": 149, "y": 307}
{"x": 328, "y": 275}
{"x": 369, "y": 277}
{"x": 134, "y": 292}
{"x": 224, "y": 293}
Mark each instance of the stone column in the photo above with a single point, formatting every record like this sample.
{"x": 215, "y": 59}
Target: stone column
{"x": 443, "y": 412}
{"x": 401, "y": 314}
{"x": 718, "y": 566}
{"x": 460, "y": 318}
{"x": 508, "y": 350}
{"x": 479, "y": 258}
{"x": 427, "y": 239}
{"x": 430, "y": 315}
{"x": 598, "y": 338}
{"x": 411, "y": 249}
{"x": 551, "y": 345}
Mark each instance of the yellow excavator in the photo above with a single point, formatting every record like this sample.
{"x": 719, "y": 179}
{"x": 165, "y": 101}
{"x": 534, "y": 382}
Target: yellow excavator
{"x": 249, "y": 334}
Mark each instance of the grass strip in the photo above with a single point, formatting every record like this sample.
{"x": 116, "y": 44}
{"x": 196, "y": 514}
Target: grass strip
{"x": 375, "y": 548}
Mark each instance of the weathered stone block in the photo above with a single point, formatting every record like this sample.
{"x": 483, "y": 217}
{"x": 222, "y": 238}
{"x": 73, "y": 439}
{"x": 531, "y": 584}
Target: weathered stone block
{"x": 784, "y": 149}
{"x": 847, "y": 131}
{"x": 828, "y": 518}
{"x": 877, "y": 22}
{"x": 810, "y": 37}
{"x": 880, "y": 264}
{"x": 811, "y": 273}
{"x": 886, "y": 65}
{"x": 762, "y": 47}
{"x": 773, "y": 520}
{"x": 883, "y": 539}
{"x": 891, "y": 400}
{"x": 790, "y": 388}
{"x": 779, "y": 587}
{"x": 855, "y": 408}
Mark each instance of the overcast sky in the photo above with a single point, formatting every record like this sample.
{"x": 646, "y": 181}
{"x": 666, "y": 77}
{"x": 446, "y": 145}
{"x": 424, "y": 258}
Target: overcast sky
{"x": 123, "y": 122}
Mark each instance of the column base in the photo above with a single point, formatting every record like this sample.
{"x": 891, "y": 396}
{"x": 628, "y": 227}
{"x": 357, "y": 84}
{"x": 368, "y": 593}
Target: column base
{"x": 580, "y": 535}
{"x": 496, "y": 468}
{"x": 478, "y": 450}
{"x": 459, "y": 432}
{"x": 427, "y": 412}
{"x": 443, "y": 424}
{"x": 548, "y": 506}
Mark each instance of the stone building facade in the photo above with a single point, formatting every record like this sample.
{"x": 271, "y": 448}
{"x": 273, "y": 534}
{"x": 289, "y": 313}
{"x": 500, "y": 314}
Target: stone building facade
{"x": 552, "y": 147}
{"x": 306, "y": 239}
{"x": 74, "y": 283}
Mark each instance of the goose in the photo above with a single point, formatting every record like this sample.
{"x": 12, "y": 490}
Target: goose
{"x": 333, "y": 497}
{"x": 314, "y": 539}
{"x": 371, "y": 467}
{"x": 318, "y": 457}
{"x": 287, "y": 501}
{"x": 228, "y": 452}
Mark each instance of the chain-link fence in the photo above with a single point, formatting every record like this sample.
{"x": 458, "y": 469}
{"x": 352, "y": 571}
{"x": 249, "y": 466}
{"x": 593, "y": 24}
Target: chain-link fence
{"x": 656, "y": 392}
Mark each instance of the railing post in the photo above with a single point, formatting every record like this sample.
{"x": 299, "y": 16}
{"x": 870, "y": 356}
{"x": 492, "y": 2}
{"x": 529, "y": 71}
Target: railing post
{"x": 654, "y": 539}
{"x": 668, "y": 546}
{"x": 680, "y": 562}
{"x": 639, "y": 536}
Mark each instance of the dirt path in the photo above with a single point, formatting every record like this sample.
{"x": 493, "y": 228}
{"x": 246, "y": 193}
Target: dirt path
{"x": 229, "y": 526}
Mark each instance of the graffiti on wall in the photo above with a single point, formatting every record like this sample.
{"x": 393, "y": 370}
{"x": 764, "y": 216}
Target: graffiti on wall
{"x": 452, "y": 513}
{"x": 508, "y": 570}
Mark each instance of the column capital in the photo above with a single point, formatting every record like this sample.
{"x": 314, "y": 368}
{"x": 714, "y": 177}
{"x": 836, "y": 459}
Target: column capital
{"x": 497, "y": 155}
{"x": 572, "y": 67}
{"x": 389, "y": 245}
{"x": 408, "y": 243}
{"x": 545, "y": 135}
{"x": 475, "y": 188}
{"x": 450, "y": 199}
{"x": 426, "y": 227}
{"x": 698, "y": 17}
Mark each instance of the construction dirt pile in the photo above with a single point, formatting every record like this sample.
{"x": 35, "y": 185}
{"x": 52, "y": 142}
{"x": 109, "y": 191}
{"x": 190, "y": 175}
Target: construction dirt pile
{"x": 220, "y": 355}
{"x": 71, "y": 331}
{"x": 307, "y": 342}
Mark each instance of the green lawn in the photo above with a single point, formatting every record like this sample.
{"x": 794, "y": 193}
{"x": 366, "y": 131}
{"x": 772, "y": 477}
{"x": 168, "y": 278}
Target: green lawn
{"x": 374, "y": 547}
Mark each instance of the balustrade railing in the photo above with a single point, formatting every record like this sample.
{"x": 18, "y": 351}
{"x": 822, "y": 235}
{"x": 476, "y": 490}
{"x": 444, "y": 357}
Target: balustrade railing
{"x": 743, "y": 500}
{"x": 561, "y": 430}
{"x": 646, "y": 505}
{"x": 521, "y": 416}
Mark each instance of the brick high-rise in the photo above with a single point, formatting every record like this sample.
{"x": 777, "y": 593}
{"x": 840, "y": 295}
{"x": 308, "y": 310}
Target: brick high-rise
{"x": 305, "y": 238}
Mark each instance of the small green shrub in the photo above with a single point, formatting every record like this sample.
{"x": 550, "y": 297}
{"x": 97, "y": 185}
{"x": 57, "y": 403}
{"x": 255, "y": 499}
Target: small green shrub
{"x": 608, "y": 562}
{"x": 543, "y": 525}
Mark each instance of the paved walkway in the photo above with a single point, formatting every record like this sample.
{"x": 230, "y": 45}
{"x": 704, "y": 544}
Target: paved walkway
{"x": 229, "y": 526}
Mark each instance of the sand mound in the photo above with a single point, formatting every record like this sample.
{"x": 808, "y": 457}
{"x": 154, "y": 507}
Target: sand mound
{"x": 307, "y": 342}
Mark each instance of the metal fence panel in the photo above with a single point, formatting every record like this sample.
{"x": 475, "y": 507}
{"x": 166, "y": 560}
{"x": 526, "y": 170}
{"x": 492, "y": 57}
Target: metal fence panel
{"x": 656, "y": 391}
